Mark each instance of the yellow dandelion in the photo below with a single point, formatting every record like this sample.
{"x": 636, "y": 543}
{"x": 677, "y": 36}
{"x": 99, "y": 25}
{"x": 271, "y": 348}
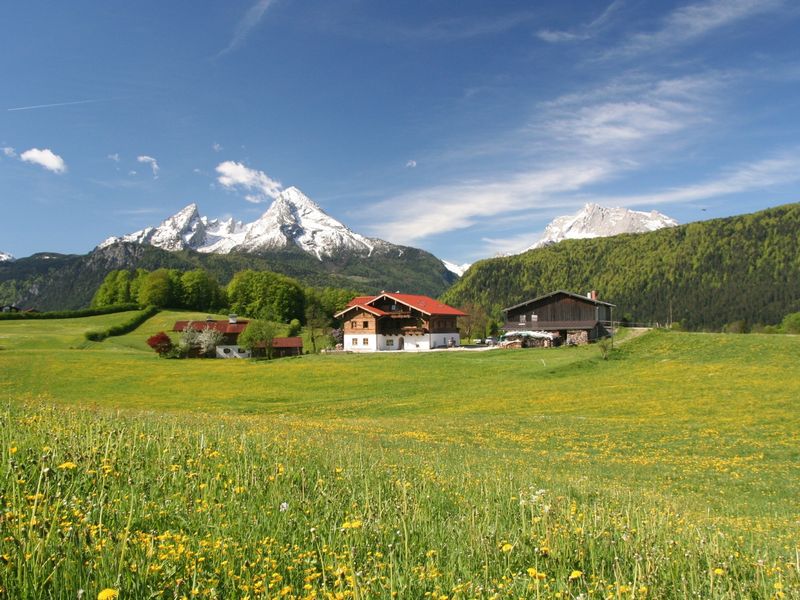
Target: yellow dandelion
{"x": 351, "y": 525}
{"x": 719, "y": 572}
{"x": 506, "y": 548}
{"x": 108, "y": 594}
{"x": 532, "y": 572}
{"x": 69, "y": 465}
{"x": 575, "y": 575}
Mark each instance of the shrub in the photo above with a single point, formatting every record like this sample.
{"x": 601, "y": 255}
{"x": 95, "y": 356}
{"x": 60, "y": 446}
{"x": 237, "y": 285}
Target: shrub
{"x": 121, "y": 328}
{"x": 69, "y": 314}
{"x": 161, "y": 343}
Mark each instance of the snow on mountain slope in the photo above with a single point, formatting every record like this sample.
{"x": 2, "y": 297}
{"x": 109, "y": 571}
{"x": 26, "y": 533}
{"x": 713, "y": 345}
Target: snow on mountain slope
{"x": 292, "y": 219}
{"x": 594, "y": 220}
{"x": 6, "y": 257}
{"x": 457, "y": 269}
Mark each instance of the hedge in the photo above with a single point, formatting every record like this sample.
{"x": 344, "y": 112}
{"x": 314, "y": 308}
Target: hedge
{"x": 70, "y": 314}
{"x": 122, "y": 328}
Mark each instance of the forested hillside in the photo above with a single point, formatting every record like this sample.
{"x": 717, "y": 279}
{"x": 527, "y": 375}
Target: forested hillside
{"x": 58, "y": 282}
{"x": 703, "y": 274}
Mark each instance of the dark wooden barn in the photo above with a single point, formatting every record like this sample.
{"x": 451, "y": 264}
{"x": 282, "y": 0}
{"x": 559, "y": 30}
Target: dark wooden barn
{"x": 577, "y": 319}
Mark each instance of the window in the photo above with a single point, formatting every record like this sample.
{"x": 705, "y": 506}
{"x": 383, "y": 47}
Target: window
{"x": 352, "y": 324}
{"x": 535, "y": 318}
{"x": 522, "y": 319}
{"x": 365, "y": 342}
{"x": 365, "y": 324}
{"x": 389, "y": 343}
{"x": 354, "y": 342}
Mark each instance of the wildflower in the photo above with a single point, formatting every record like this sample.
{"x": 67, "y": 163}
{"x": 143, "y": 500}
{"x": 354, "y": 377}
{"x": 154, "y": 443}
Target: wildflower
{"x": 506, "y": 548}
{"x": 108, "y": 594}
{"x": 12, "y": 450}
{"x": 284, "y": 506}
{"x": 532, "y": 572}
{"x": 67, "y": 465}
{"x": 575, "y": 575}
{"x": 351, "y": 524}
{"x": 719, "y": 572}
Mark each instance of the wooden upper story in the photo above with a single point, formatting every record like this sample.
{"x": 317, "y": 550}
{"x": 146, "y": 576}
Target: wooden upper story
{"x": 398, "y": 314}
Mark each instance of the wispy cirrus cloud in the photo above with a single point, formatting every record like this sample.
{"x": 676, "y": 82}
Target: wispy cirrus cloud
{"x": 246, "y": 25}
{"x": 693, "y": 21}
{"x": 583, "y": 31}
{"x": 152, "y": 162}
{"x": 259, "y": 186}
{"x": 55, "y": 104}
{"x": 45, "y": 158}
{"x": 781, "y": 168}
{"x": 9, "y": 152}
{"x": 628, "y": 111}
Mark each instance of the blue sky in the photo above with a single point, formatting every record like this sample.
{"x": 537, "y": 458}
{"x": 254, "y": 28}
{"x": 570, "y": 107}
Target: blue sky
{"x": 461, "y": 127}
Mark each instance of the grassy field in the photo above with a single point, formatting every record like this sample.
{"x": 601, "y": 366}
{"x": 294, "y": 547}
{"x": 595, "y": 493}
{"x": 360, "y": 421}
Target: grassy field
{"x": 671, "y": 470}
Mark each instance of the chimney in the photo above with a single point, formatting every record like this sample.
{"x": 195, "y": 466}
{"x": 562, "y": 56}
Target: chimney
{"x": 589, "y": 295}
{"x": 232, "y": 319}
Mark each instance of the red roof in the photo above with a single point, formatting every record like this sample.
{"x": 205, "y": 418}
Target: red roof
{"x": 221, "y": 326}
{"x": 426, "y": 304}
{"x": 288, "y": 342}
{"x": 423, "y": 304}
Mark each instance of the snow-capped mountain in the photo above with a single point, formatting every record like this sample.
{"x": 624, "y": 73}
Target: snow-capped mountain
{"x": 292, "y": 219}
{"x": 457, "y": 269}
{"x": 5, "y": 257}
{"x": 594, "y": 221}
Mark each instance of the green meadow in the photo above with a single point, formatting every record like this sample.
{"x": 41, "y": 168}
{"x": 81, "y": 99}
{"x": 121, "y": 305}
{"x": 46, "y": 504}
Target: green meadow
{"x": 670, "y": 470}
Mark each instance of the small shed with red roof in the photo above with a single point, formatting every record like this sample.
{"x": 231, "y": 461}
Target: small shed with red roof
{"x": 395, "y": 321}
{"x": 281, "y": 346}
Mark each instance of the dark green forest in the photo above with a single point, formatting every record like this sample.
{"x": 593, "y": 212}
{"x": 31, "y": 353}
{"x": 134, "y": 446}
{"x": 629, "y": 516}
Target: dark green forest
{"x": 703, "y": 275}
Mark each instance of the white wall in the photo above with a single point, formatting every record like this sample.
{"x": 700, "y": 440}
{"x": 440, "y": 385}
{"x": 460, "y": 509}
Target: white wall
{"x": 233, "y": 352}
{"x": 371, "y": 346}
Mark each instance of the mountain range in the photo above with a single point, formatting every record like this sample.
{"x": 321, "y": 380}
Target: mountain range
{"x": 293, "y": 219}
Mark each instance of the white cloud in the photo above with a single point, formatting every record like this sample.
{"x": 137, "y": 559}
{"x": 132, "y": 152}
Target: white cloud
{"x": 248, "y": 22}
{"x": 149, "y": 160}
{"x": 45, "y": 158}
{"x": 696, "y": 20}
{"x": 260, "y": 185}
{"x": 216, "y": 147}
{"x": 114, "y": 157}
{"x": 9, "y": 152}
{"x": 411, "y": 164}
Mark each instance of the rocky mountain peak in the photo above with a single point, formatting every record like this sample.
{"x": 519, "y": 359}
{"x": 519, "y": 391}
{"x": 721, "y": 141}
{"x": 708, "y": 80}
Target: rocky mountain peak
{"x": 594, "y": 220}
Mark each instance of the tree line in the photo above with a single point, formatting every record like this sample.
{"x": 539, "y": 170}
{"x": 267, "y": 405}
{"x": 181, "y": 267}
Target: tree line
{"x": 256, "y": 294}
